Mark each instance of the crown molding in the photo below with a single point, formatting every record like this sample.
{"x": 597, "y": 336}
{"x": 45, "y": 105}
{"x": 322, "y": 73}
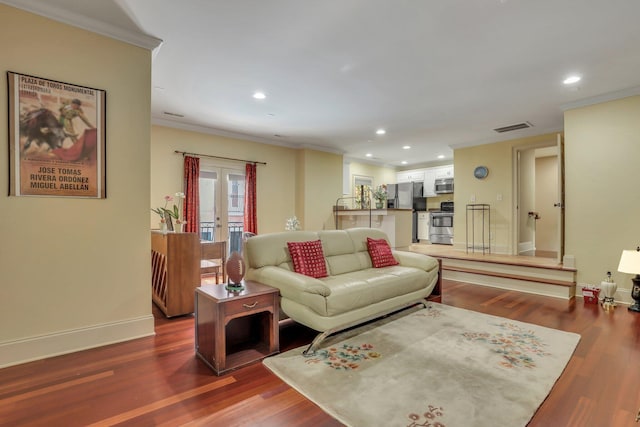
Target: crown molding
{"x": 349, "y": 159}
{"x": 606, "y": 97}
{"x": 74, "y": 19}
{"x": 161, "y": 121}
{"x": 508, "y": 137}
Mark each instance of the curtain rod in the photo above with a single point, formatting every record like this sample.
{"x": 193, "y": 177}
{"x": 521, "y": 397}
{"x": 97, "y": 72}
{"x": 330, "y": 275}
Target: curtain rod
{"x": 184, "y": 153}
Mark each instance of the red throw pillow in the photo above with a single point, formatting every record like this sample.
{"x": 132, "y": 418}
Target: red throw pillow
{"x": 380, "y": 253}
{"x": 308, "y": 258}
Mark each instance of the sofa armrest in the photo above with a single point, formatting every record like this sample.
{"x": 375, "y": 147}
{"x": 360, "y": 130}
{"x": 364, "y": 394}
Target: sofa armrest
{"x": 288, "y": 282}
{"x": 412, "y": 259}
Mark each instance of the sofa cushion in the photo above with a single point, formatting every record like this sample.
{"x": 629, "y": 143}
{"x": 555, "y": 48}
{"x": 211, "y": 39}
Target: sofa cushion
{"x": 271, "y": 249}
{"x": 365, "y": 287}
{"x": 339, "y": 252}
{"x": 308, "y": 258}
{"x": 380, "y": 253}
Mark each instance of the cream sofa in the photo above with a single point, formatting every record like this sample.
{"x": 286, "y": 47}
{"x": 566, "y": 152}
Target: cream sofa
{"x": 354, "y": 291}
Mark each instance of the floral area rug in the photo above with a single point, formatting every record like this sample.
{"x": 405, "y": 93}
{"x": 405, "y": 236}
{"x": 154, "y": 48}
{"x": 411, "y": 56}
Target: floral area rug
{"x": 434, "y": 367}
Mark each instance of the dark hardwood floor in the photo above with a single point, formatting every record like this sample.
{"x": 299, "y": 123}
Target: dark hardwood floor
{"x": 159, "y": 381}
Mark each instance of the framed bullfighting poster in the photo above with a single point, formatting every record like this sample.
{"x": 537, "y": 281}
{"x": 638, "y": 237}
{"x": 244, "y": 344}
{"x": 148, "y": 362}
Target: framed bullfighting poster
{"x": 56, "y": 138}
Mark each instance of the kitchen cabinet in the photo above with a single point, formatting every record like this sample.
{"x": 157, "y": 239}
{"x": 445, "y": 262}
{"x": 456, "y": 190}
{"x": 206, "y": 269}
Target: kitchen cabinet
{"x": 416, "y": 175}
{"x": 429, "y": 182}
{"x": 427, "y": 176}
{"x": 444, "y": 171}
{"x": 423, "y": 226}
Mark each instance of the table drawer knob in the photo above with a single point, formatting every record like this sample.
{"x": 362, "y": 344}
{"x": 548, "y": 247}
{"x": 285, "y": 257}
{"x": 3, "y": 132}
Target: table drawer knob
{"x": 250, "y": 305}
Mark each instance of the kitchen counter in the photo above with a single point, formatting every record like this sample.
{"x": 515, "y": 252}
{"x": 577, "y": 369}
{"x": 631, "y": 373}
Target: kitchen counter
{"x": 373, "y": 211}
{"x": 396, "y": 223}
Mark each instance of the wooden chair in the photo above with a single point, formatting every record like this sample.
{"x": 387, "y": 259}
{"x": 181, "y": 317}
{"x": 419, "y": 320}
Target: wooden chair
{"x": 213, "y": 256}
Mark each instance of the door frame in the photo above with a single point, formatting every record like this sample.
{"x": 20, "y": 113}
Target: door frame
{"x": 221, "y": 202}
{"x": 558, "y": 142}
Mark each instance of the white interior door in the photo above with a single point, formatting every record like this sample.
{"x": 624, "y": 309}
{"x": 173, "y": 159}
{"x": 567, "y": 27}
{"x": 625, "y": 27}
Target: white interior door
{"x": 520, "y": 210}
{"x": 560, "y": 204}
{"x": 222, "y": 205}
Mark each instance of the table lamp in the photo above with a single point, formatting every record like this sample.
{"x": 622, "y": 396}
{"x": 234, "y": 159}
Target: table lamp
{"x": 630, "y": 263}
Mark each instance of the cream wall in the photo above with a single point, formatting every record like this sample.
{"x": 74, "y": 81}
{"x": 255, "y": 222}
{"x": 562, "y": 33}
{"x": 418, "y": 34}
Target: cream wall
{"x": 319, "y": 186}
{"x": 75, "y": 272}
{"x": 380, "y": 174}
{"x": 276, "y": 181}
{"x": 498, "y": 158}
{"x": 602, "y": 148}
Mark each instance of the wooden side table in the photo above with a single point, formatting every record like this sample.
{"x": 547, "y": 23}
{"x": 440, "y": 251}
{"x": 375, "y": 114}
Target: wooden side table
{"x": 234, "y": 329}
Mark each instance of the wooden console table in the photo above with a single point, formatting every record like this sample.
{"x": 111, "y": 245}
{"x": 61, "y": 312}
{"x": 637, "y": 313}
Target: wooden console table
{"x": 175, "y": 271}
{"x": 234, "y": 329}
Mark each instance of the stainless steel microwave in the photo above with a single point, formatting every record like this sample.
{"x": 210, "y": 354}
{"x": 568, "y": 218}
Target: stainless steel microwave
{"x": 443, "y": 186}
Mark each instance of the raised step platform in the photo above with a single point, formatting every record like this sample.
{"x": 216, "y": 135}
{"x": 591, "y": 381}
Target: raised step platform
{"x": 540, "y": 276}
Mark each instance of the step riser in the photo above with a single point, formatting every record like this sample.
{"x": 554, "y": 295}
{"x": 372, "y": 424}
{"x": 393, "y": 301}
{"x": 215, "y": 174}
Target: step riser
{"x": 532, "y": 287}
{"x": 540, "y": 274}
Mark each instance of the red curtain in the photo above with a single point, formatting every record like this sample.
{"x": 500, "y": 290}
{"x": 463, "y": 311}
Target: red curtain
{"x": 250, "y": 209}
{"x": 191, "y": 209}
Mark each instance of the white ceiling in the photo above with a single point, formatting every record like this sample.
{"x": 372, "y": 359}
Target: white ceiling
{"x": 436, "y": 74}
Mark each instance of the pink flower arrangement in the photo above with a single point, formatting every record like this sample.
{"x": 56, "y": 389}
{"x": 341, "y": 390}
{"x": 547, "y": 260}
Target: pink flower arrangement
{"x": 162, "y": 210}
{"x": 174, "y": 212}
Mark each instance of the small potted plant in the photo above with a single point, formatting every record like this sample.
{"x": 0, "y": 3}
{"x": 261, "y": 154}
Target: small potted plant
{"x": 161, "y": 213}
{"x": 380, "y": 194}
{"x": 176, "y": 212}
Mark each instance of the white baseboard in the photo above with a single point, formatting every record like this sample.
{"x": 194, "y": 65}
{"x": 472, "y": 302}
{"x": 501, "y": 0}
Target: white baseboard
{"x": 526, "y": 247}
{"x": 40, "y": 347}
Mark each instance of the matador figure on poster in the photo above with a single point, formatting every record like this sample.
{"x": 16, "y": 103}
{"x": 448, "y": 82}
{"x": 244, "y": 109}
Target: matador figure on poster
{"x": 68, "y": 112}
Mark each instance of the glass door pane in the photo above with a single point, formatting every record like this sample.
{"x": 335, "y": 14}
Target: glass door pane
{"x": 222, "y": 206}
{"x": 235, "y": 209}
{"x": 209, "y": 205}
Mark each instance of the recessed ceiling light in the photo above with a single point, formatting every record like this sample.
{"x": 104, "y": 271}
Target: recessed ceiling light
{"x": 406, "y": 147}
{"x": 404, "y": 162}
{"x": 259, "y": 95}
{"x": 571, "y": 79}
{"x": 441, "y": 156}
{"x": 368, "y": 154}
{"x": 381, "y": 131}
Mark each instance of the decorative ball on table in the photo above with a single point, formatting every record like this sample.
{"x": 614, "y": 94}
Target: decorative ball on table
{"x": 235, "y": 272}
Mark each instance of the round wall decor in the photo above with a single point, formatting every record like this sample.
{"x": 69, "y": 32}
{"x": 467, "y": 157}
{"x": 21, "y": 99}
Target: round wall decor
{"x": 481, "y": 172}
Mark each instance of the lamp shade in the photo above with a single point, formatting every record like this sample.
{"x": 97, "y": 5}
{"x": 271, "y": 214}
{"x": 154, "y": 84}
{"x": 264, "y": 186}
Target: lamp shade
{"x": 630, "y": 262}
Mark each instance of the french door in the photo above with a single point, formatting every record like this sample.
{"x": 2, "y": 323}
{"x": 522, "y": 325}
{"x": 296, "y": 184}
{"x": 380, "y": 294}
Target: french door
{"x": 222, "y": 205}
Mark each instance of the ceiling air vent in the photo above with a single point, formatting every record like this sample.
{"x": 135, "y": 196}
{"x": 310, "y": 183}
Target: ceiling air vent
{"x": 510, "y": 128}
{"x": 168, "y": 113}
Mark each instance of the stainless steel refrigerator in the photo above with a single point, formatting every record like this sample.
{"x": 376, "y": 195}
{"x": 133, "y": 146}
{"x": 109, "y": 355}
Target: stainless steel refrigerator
{"x": 404, "y": 195}
{"x": 407, "y": 195}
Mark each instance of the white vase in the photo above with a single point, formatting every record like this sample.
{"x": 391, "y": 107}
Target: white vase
{"x": 163, "y": 227}
{"x": 179, "y": 227}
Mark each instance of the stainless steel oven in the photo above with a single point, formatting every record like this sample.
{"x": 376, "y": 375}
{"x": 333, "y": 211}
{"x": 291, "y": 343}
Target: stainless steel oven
{"x": 441, "y": 224}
